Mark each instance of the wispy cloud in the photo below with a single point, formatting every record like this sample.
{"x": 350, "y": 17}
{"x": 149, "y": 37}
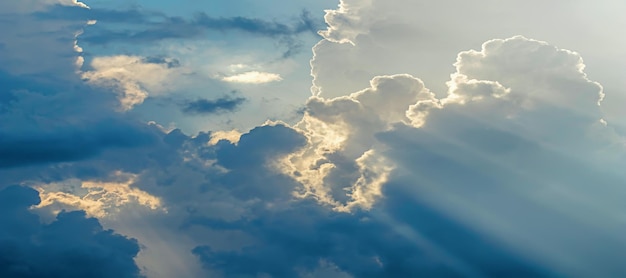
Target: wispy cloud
{"x": 142, "y": 26}
{"x": 253, "y": 77}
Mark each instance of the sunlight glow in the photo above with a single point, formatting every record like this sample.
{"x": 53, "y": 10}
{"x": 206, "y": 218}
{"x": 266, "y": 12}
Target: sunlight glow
{"x": 98, "y": 199}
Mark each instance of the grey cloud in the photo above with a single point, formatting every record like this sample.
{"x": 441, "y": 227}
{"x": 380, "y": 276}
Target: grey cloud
{"x": 152, "y": 26}
{"x": 23, "y": 39}
{"x": 257, "y": 26}
{"x": 206, "y": 107}
{"x": 494, "y": 183}
{"x": 69, "y": 143}
{"x": 250, "y": 163}
{"x": 503, "y": 178}
{"x": 364, "y": 245}
{"x": 71, "y": 246}
{"x": 61, "y": 124}
{"x": 170, "y": 62}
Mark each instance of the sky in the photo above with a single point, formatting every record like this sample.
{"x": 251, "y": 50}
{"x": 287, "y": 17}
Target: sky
{"x": 359, "y": 138}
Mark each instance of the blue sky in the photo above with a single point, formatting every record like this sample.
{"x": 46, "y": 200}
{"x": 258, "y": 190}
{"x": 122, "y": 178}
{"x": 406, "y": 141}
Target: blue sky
{"x": 359, "y": 138}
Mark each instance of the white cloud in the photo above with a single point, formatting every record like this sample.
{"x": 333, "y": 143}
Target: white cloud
{"x": 26, "y": 6}
{"x": 253, "y": 77}
{"x": 347, "y": 22}
{"x": 406, "y": 37}
{"x": 345, "y": 127}
{"x": 73, "y": 3}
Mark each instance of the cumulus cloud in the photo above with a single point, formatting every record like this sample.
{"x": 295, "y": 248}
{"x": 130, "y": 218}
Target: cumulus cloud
{"x": 73, "y": 245}
{"x": 405, "y": 37}
{"x": 341, "y": 131}
{"x": 520, "y": 117}
{"x": 507, "y": 169}
{"x": 347, "y": 22}
{"x": 518, "y": 136}
{"x": 397, "y": 143}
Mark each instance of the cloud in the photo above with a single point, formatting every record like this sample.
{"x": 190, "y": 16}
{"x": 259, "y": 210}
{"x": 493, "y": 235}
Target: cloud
{"x": 28, "y": 6}
{"x": 70, "y": 246}
{"x": 205, "y": 106}
{"x": 389, "y": 38}
{"x": 506, "y": 169}
{"x": 347, "y": 22}
{"x": 72, "y": 3}
{"x": 502, "y": 164}
{"x": 140, "y": 26}
{"x": 133, "y": 77}
{"x": 254, "y": 153}
{"x": 97, "y": 199}
{"x": 23, "y": 35}
{"x": 520, "y": 118}
{"x": 360, "y": 245}
{"x": 257, "y": 26}
{"x": 340, "y": 133}
{"x": 231, "y": 136}
{"x": 253, "y": 77}
{"x": 152, "y": 26}
{"x": 25, "y": 145}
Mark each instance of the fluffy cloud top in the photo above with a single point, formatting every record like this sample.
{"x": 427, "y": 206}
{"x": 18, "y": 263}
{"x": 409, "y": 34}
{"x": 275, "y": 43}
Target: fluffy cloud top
{"x": 341, "y": 131}
{"x": 516, "y": 152}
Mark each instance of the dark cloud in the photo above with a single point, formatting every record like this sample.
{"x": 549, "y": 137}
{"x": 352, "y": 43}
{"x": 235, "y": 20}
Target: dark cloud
{"x": 23, "y": 39}
{"x": 140, "y": 26}
{"x": 43, "y": 123}
{"x": 250, "y": 162}
{"x": 205, "y": 106}
{"x": 363, "y": 244}
{"x": 71, "y": 246}
{"x": 521, "y": 184}
{"x": 69, "y": 143}
{"x": 257, "y": 26}
{"x": 169, "y": 62}
{"x": 51, "y": 121}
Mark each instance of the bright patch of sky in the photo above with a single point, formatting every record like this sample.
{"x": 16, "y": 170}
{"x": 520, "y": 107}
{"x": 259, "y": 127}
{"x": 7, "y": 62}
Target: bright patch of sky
{"x": 266, "y": 39}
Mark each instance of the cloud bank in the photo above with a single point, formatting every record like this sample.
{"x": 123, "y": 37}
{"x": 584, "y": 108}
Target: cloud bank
{"x": 71, "y": 246}
{"x": 507, "y": 168}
